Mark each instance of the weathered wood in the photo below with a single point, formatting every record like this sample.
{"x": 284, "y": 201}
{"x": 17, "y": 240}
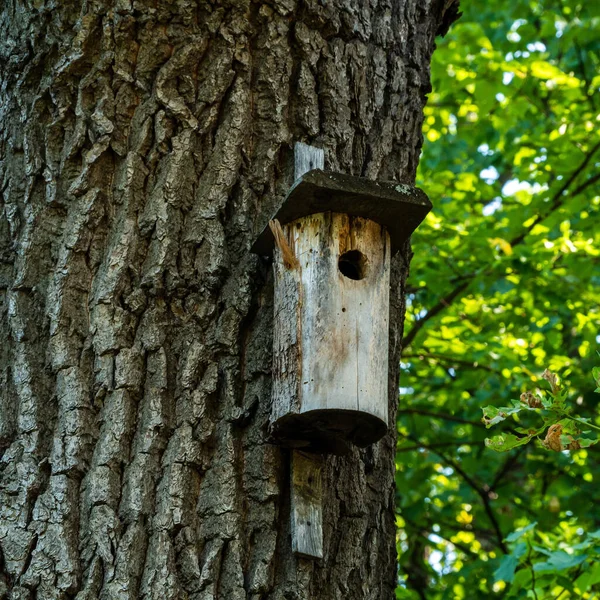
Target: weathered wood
{"x": 307, "y": 504}
{"x": 307, "y": 158}
{"x": 331, "y": 334}
{"x": 287, "y": 334}
{"x": 397, "y": 206}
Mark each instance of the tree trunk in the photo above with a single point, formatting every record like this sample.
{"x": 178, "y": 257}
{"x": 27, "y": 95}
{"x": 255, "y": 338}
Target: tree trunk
{"x": 140, "y": 144}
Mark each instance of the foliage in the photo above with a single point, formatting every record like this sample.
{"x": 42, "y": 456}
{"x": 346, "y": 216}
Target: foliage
{"x": 550, "y": 565}
{"x": 504, "y": 283}
{"x": 562, "y": 428}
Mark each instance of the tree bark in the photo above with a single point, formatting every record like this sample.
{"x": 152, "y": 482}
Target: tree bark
{"x": 140, "y": 143}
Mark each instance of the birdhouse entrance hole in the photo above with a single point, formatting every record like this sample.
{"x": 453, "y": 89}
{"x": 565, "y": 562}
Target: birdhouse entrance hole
{"x": 353, "y": 265}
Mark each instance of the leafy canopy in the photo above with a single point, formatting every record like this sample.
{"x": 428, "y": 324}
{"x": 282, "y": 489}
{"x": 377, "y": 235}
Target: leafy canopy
{"x": 505, "y": 283}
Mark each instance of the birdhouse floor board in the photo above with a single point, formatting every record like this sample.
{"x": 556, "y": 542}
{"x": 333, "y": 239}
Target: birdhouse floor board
{"x": 328, "y": 430}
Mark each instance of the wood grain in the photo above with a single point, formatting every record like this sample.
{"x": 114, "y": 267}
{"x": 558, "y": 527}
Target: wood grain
{"x": 307, "y": 504}
{"x": 307, "y": 158}
{"x": 330, "y": 376}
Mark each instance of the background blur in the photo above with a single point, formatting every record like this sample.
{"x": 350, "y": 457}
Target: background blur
{"x": 505, "y": 282}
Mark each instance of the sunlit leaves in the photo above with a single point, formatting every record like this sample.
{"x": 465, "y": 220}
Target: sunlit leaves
{"x": 505, "y": 282}
{"x": 596, "y": 374}
{"x": 550, "y": 564}
{"x": 562, "y": 427}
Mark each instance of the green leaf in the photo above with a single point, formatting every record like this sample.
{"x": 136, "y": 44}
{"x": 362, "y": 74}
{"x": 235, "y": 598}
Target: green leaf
{"x": 560, "y": 399}
{"x": 520, "y": 584}
{"x": 505, "y": 442}
{"x": 493, "y": 415}
{"x": 507, "y": 568}
{"x": 515, "y": 535}
{"x": 588, "y": 578}
{"x": 596, "y": 375}
{"x": 559, "y": 561}
{"x": 586, "y": 442}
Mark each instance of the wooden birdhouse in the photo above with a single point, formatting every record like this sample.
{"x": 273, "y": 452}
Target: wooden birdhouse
{"x": 331, "y": 241}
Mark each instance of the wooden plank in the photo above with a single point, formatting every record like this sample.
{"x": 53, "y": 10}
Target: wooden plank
{"x": 287, "y": 332}
{"x": 287, "y": 326}
{"x": 307, "y": 504}
{"x": 306, "y": 519}
{"x": 307, "y": 158}
{"x": 398, "y": 207}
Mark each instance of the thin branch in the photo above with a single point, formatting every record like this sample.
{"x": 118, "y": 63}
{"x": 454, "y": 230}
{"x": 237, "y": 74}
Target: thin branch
{"x": 482, "y": 492}
{"x": 437, "y": 415}
{"x": 556, "y": 202}
{"x": 439, "y": 307}
{"x": 451, "y": 359}
{"x": 482, "y": 532}
{"x": 575, "y": 576}
{"x": 419, "y": 530}
{"x": 441, "y": 445}
{"x": 560, "y": 195}
{"x": 589, "y": 91}
{"x": 532, "y": 573}
{"x": 507, "y": 466}
{"x": 586, "y": 184}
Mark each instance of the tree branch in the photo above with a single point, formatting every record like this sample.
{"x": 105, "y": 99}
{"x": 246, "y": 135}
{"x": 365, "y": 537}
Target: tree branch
{"x": 441, "y": 445}
{"x": 451, "y": 359}
{"x": 482, "y": 492}
{"x": 560, "y": 195}
{"x": 439, "y": 307}
{"x": 436, "y": 415}
{"x": 419, "y": 530}
{"x": 556, "y": 202}
{"x": 507, "y": 466}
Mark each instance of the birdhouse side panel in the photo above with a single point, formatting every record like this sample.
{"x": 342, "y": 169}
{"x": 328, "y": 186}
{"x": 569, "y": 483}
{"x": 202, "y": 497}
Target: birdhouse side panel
{"x": 287, "y": 350}
{"x": 372, "y": 323}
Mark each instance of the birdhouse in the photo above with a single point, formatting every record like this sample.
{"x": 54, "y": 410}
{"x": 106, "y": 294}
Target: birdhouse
{"x": 331, "y": 242}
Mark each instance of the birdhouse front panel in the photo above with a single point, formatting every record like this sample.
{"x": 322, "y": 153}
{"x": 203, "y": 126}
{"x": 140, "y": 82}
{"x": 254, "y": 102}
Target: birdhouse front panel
{"x": 332, "y": 274}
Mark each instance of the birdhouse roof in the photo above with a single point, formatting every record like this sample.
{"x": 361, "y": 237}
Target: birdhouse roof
{"x": 397, "y": 206}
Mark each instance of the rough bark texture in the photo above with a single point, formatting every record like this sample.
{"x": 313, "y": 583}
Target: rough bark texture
{"x": 140, "y": 140}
